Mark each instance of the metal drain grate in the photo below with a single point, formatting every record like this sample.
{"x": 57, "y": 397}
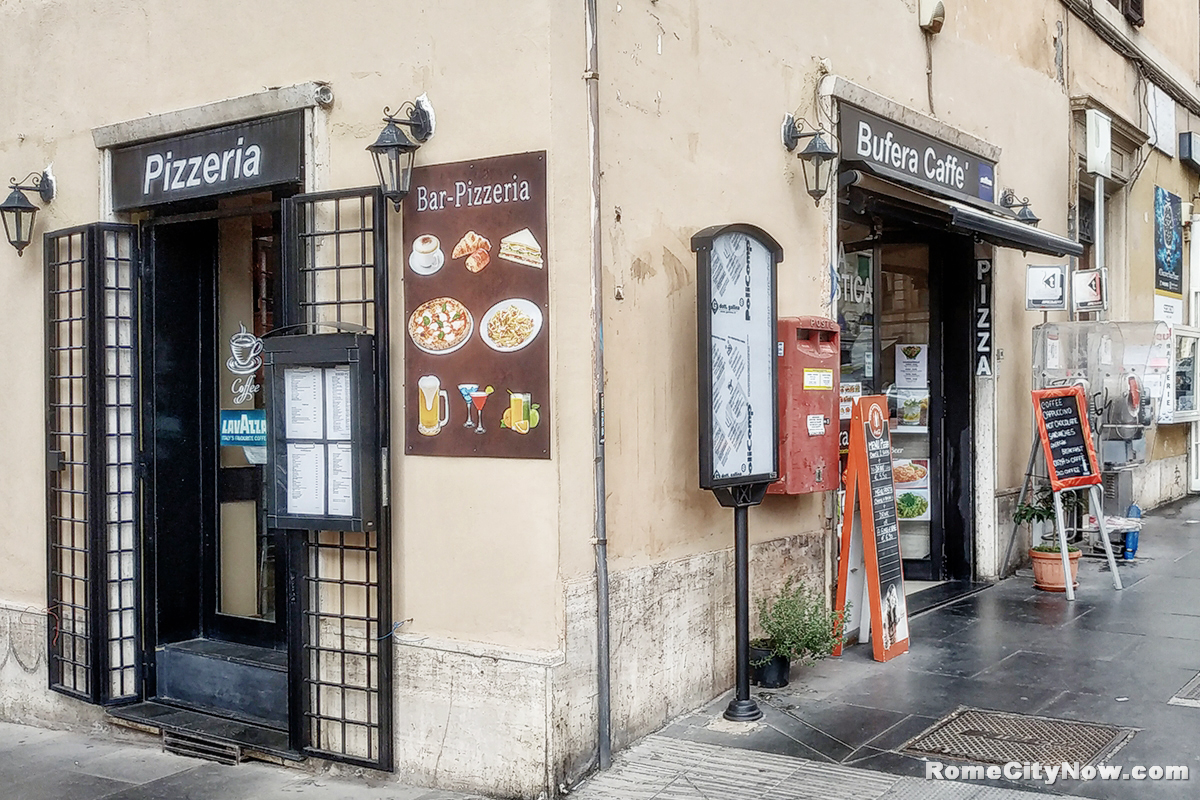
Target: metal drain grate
{"x": 1189, "y": 695}
{"x": 996, "y": 737}
{"x": 188, "y": 744}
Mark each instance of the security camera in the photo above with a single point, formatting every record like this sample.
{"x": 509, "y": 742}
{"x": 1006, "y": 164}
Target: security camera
{"x": 931, "y": 14}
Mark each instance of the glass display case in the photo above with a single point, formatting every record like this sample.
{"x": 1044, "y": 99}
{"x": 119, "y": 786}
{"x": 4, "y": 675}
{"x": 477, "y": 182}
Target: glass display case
{"x": 1124, "y": 368}
{"x": 1184, "y": 405}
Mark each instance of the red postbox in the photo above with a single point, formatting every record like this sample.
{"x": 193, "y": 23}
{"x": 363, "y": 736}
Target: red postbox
{"x": 809, "y": 372}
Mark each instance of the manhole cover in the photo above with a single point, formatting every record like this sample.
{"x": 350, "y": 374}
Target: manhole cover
{"x": 996, "y": 737}
{"x": 1189, "y": 695}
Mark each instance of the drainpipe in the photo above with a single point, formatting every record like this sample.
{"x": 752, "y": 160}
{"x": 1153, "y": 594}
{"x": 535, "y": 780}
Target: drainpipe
{"x": 600, "y": 538}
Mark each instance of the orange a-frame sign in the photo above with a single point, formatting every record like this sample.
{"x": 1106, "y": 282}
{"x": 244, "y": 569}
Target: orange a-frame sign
{"x": 870, "y": 533}
{"x": 1066, "y": 437}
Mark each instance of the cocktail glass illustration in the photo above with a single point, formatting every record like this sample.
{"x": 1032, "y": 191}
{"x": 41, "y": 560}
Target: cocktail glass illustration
{"x": 479, "y": 398}
{"x": 466, "y": 390}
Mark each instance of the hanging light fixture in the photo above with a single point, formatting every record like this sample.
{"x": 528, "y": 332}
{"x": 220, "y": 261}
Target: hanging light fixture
{"x": 1025, "y": 214}
{"x": 18, "y": 212}
{"x": 394, "y": 150}
{"x": 816, "y": 159}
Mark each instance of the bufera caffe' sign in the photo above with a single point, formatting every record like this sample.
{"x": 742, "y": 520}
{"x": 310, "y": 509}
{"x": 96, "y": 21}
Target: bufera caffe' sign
{"x": 881, "y": 142}
{"x": 233, "y": 158}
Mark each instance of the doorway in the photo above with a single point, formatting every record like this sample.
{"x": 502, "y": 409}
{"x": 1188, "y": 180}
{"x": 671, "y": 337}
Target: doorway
{"x": 219, "y": 631}
{"x": 904, "y": 312}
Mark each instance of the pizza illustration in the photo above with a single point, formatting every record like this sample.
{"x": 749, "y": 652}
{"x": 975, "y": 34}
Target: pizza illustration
{"x": 441, "y": 325}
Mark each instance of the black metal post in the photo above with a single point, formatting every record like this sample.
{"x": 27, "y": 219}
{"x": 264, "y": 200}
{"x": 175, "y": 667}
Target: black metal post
{"x": 742, "y": 708}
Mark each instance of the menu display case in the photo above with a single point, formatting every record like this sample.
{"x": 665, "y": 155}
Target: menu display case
{"x": 322, "y": 434}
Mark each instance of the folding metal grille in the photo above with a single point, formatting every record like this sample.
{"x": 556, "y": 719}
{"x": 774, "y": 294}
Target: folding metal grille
{"x": 91, "y": 435}
{"x": 67, "y": 513}
{"x": 337, "y": 254}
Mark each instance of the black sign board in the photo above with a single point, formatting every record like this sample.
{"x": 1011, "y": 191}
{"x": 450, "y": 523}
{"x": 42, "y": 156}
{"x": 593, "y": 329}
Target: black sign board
{"x": 1066, "y": 437}
{"x": 736, "y": 321}
{"x": 247, "y": 155}
{"x": 983, "y": 318}
{"x": 883, "y": 503}
{"x": 895, "y": 148}
{"x": 322, "y": 432}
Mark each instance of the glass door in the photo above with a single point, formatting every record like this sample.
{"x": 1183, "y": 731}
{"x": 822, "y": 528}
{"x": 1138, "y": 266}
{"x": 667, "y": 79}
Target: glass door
{"x": 907, "y": 363}
{"x": 888, "y": 343}
{"x": 245, "y": 604}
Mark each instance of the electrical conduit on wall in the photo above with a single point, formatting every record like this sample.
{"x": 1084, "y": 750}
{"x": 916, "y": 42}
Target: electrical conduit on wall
{"x": 591, "y": 76}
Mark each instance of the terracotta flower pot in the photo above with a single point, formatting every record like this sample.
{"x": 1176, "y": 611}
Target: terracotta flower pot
{"x": 1048, "y": 571}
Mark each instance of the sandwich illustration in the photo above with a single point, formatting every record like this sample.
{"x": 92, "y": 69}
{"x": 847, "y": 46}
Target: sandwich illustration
{"x": 521, "y": 248}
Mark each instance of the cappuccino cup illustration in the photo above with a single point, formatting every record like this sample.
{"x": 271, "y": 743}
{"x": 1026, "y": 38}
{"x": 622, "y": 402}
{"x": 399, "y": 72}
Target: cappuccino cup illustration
{"x": 425, "y": 250}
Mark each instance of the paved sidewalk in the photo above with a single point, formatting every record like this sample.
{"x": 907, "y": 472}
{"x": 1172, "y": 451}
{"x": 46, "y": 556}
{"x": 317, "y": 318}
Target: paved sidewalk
{"x": 841, "y": 728}
{"x": 39, "y": 764}
{"x": 663, "y": 768}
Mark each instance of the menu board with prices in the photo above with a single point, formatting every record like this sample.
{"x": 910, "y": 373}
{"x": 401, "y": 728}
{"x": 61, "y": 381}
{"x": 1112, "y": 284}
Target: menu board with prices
{"x": 736, "y": 327}
{"x": 477, "y": 308}
{"x": 1066, "y": 437}
{"x": 323, "y": 438}
{"x": 871, "y": 567}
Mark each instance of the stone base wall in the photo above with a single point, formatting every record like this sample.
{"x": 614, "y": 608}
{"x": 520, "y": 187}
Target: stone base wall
{"x": 477, "y": 718}
{"x": 473, "y": 717}
{"x": 25, "y": 696}
{"x": 1163, "y": 480}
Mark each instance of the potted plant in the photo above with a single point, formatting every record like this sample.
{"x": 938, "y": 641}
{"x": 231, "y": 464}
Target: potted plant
{"x": 1037, "y": 513}
{"x": 797, "y": 625}
{"x": 1048, "y": 569}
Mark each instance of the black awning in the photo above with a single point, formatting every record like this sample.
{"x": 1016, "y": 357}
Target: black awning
{"x": 1007, "y": 232}
{"x": 967, "y": 215}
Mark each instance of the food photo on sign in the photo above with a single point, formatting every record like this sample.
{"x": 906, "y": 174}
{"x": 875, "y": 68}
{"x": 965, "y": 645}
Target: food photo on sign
{"x": 477, "y": 309}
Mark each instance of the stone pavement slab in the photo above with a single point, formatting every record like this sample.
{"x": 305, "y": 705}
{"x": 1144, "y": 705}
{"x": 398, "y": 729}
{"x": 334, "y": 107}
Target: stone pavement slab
{"x": 39, "y": 764}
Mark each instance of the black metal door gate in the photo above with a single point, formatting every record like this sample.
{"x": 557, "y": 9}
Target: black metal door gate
{"x": 92, "y": 519}
{"x": 336, "y": 274}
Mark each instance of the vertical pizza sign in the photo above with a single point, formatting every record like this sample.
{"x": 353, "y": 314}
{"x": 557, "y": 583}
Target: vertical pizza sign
{"x": 476, "y": 304}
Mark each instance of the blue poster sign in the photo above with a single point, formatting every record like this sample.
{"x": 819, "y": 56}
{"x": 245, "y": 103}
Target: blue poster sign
{"x": 1168, "y": 244}
{"x": 244, "y": 428}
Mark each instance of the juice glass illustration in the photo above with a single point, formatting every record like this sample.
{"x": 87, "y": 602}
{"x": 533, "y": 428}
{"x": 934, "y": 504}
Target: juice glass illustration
{"x": 479, "y": 399}
{"x": 518, "y": 405}
{"x": 466, "y": 389}
{"x": 431, "y": 415}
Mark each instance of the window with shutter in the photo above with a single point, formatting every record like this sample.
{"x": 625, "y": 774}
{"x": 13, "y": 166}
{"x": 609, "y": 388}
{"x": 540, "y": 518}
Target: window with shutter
{"x": 1135, "y": 12}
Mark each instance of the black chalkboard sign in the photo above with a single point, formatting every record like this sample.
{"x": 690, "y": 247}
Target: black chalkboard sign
{"x": 1066, "y": 437}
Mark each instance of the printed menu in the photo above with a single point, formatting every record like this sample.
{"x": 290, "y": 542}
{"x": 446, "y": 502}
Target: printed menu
{"x": 476, "y": 302}
{"x": 318, "y": 419}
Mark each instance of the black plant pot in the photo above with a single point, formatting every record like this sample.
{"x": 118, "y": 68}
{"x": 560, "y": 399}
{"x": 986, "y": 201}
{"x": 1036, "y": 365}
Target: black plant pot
{"x": 767, "y": 670}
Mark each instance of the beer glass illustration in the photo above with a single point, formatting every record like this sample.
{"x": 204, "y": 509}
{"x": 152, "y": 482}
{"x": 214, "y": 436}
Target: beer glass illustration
{"x": 433, "y": 405}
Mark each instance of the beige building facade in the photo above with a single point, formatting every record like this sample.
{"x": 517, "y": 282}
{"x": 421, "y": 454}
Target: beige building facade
{"x": 455, "y": 641}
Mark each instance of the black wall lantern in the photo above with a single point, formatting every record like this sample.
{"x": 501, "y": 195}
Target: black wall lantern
{"x": 816, "y": 159}
{"x": 394, "y": 150}
{"x": 1009, "y": 200}
{"x": 18, "y": 213}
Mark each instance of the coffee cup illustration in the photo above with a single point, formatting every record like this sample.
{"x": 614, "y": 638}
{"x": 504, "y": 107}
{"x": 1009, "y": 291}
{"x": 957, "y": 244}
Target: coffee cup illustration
{"x": 244, "y": 348}
{"x": 426, "y": 249}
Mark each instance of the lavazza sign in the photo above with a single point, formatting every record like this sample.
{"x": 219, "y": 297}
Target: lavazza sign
{"x": 247, "y": 155}
{"x": 877, "y": 141}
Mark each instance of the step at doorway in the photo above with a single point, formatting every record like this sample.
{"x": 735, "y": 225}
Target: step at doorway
{"x": 238, "y": 681}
